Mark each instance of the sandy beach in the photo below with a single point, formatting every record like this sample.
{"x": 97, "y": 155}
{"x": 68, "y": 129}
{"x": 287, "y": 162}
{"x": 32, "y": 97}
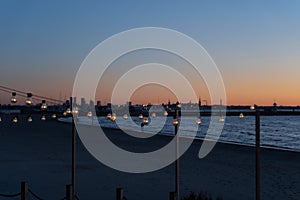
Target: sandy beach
{"x": 40, "y": 153}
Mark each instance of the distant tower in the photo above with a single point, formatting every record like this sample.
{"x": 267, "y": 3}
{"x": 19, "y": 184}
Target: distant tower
{"x": 199, "y": 102}
{"x": 83, "y": 102}
{"x": 92, "y": 104}
{"x": 74, "y": 101}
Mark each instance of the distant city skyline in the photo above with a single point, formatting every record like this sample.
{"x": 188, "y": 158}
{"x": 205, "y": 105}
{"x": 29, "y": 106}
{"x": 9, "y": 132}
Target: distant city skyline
{"x": 255, "y": 44}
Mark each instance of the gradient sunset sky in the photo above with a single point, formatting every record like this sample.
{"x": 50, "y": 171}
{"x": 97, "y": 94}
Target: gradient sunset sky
{"x": 255, "y": 44}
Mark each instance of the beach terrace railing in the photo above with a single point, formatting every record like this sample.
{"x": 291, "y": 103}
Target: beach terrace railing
{"x": 25, "y": 191}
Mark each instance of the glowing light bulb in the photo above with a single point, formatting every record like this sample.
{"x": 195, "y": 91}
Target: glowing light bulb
{"x": 29, "y": 119}
{"x": 53, "y": 116}
{"x": 140, "y": 116}
{"x": 44, "y": 105}
{"x": 68, "y": 111}
{"x": 43, "y": 118}
{"x": 29, "y": 99}
{"x": 75, "y": 110}
{"x": 13, "y": 98}
{"x": 15, "y": 120}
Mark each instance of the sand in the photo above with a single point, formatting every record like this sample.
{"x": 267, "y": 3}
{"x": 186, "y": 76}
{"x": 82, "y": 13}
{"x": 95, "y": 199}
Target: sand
{"x": 40, "y": 153}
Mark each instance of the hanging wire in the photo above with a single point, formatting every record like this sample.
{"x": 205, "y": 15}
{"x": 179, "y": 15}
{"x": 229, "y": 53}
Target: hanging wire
{"x": 10, "y": 195}
{"x": 24, "y": 94}
{"x": 33, "y": 194}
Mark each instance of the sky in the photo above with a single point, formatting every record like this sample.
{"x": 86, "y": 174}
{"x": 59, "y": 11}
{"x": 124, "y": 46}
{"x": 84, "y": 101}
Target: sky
{"x": 255, "y": 44}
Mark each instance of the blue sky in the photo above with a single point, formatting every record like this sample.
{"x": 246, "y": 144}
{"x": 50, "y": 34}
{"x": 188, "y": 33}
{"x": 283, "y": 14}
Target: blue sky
{"x": 44, "y": 42}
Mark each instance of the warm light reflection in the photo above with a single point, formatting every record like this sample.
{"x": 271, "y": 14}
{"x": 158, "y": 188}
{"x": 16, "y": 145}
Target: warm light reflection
{"x": 198, "y": 121}
{"x": 90, "y": 114}
{"x": 113, "y": 117}
{"x": 221, "y": 119}
{"x": 242, "y": 116}
{"x": 165, "y": 113}
{"x": 145, "y": 120}
{"x": 175, "y": 122}
{"x": 125, "y": 116}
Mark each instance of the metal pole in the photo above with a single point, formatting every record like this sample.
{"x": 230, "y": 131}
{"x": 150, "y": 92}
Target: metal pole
{"x": 177, "y": 158}
{"x": 73, "y": 149}
{"x": 119, "y": 194}
{"x": 24, "y": 190}
{"x": 69, "y": 192}
{"x": 172, "y": 196}
{"x": 257, "y": 147}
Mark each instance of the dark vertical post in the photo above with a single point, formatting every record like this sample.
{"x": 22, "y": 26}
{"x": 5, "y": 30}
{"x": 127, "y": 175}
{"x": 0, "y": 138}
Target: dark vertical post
{"x": 172, "y": 196}
{"x": 177, "y": 157}
{"x": 119, "y": 194}
{"x": 73, "y": 148}
{"x": 69, "y": 192}
{"x": 257, "y": 147}
{"x": 24, "y": 190}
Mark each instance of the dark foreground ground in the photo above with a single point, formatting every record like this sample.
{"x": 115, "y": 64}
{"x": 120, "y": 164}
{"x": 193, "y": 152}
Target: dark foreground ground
{"x": 40, "y": 153}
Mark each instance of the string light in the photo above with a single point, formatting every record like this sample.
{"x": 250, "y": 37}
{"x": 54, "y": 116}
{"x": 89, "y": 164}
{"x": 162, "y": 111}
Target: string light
{"x": 75, "y": 110}
{"x": 44, "y": 105}
{"x": 140, "y": 116}
{"x": 68, "y": 111}
{"x": 43, "y": 118}
{"x": 15, "y": 120}
{"x": 13, "y": 97}
{"x": 29, "y": 119}
{"x": 29, "y": 99}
